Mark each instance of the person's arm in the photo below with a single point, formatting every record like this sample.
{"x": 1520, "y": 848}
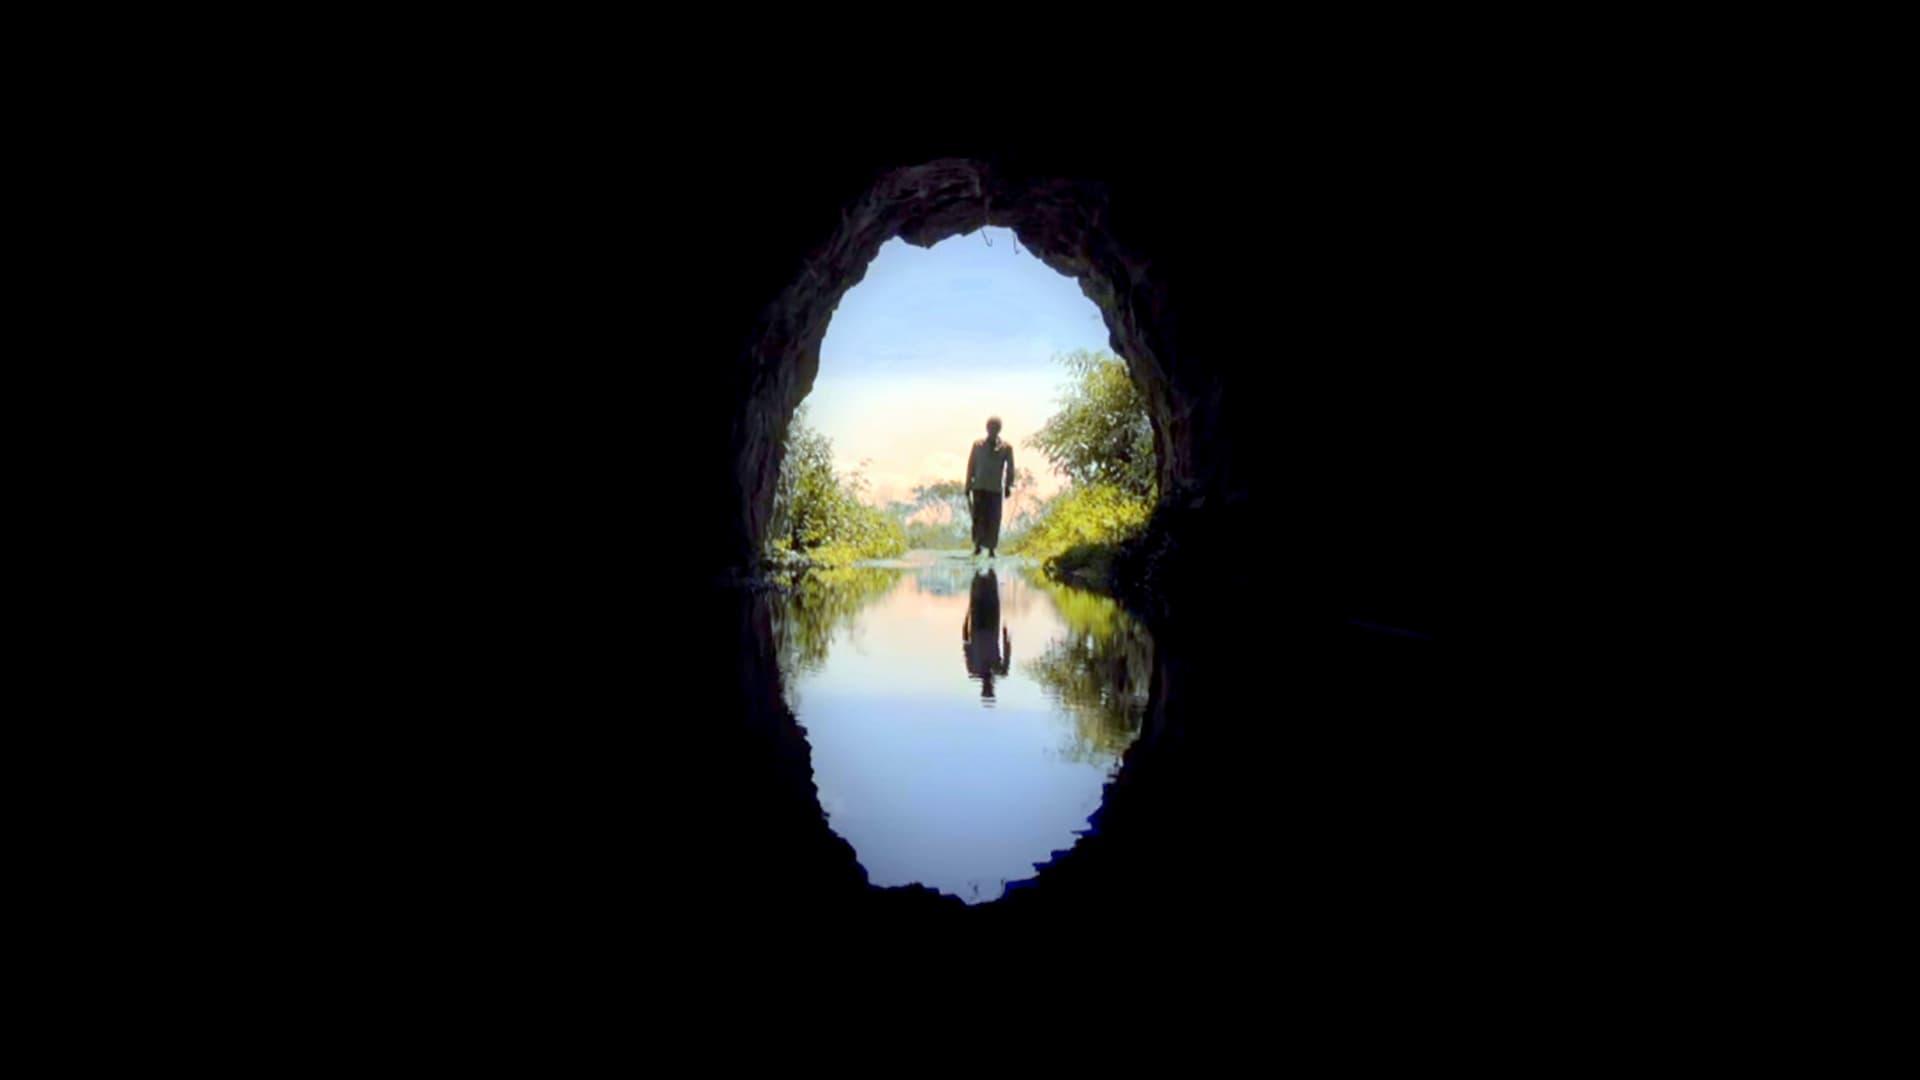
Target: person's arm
{"x": 1008, "y": 486}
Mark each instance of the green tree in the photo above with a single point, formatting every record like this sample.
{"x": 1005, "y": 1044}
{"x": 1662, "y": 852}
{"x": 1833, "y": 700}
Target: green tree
{"x": 950, "y": 493}
{"x": 1101, "y": 435}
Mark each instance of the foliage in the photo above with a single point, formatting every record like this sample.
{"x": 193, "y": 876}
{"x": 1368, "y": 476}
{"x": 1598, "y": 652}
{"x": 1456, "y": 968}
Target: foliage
{"x": 952, "y": 532}
{"x": 1081, "y": 524}
{"x": 937, "y": 534}
{"x": 1099, "y": 673}
{"x": 818, "y": 518}
{"x": 818, "y": 604}
{"x": 1101, "y": 434}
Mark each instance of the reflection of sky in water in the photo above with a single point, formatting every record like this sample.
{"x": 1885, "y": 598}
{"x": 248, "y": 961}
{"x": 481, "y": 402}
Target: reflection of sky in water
{"x": 930, "y": 781}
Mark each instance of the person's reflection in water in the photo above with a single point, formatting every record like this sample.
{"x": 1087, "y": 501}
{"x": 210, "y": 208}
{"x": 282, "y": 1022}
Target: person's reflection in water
{"x": 987, "y": 645}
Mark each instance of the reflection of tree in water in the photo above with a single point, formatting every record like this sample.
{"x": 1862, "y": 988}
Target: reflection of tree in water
{"x": 819, "y": 604}
{"x": 1099, "y": 673}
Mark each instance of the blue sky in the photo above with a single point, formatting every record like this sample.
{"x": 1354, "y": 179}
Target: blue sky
{"x": 931, "y": 343}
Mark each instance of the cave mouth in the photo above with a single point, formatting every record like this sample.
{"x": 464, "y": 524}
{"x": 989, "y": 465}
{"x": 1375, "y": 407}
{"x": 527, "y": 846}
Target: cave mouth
{"x": 1064, "y": 223}
{"x": 963, "y": 722}
{"x": 931, "y": 344}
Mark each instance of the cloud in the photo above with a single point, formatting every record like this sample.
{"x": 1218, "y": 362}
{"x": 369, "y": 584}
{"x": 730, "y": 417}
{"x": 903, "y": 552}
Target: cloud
{"x": 886, "y": 487}
{"x": 950, "y": 464}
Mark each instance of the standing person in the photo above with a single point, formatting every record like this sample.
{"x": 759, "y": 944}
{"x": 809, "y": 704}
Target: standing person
{"x": 989, "y": 482}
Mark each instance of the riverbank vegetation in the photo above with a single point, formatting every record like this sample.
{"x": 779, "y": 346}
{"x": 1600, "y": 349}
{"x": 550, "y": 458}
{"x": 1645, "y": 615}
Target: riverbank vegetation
{"x": 1102, "y": 441}
{"x": 819, "y": 517}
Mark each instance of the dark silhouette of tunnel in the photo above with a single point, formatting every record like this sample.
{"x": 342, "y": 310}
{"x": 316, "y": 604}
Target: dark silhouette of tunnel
{"x": 1311, "y": 443}
{"x": 1330, "y": 325}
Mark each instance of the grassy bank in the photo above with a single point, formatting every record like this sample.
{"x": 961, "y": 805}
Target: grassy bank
{"x": 1078, "y": 537}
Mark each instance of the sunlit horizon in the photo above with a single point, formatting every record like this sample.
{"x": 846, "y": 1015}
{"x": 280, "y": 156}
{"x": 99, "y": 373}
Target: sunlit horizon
{"x": 931, "y": 343}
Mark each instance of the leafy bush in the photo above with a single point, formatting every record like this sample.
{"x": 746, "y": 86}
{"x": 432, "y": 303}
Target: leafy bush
{"x": 929, "y": 534}
{"x": 1079, "y": 529}
{"x": 818, "y": 518}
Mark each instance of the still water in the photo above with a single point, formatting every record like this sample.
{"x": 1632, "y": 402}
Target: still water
{"x": 964, "y": 715}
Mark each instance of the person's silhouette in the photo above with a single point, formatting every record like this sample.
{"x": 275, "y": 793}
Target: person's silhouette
{"x": 989, "y": 481}
{"x": 986, "y": 644}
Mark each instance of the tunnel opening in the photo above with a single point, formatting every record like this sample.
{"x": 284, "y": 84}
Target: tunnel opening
{"x": 1063, "y": 223}
{"x": 964, "y": 710}
{"x": 932, "y": 349}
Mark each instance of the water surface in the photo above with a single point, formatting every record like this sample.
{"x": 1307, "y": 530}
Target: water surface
{"x": 964, "y": 714}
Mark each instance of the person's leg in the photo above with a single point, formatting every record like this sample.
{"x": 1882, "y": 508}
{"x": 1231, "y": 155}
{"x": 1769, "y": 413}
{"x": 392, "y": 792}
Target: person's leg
{"x": 993, "y": 524}
{"x": 979, "y": 520}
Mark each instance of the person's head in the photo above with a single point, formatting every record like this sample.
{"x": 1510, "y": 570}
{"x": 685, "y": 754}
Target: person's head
{"x": 993, "y": 427}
